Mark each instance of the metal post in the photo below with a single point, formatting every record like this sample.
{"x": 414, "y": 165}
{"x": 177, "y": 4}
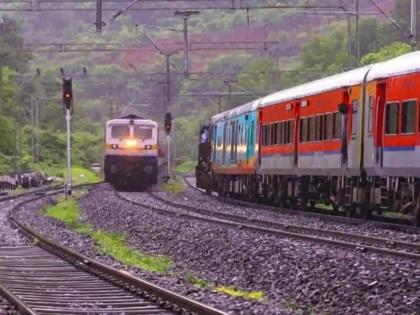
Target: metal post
{"x": 32, "y": 129}
{"x": 349, "y": 51}
{"x": 36, "y": 129}
{"x": 413, "y": 35}
{"x": 168, "y": 80}
{"x": 67, "y": 188}
{"x": 99, "y": 22}
{"x": 357, "y": 33}
{"x": 168, "y": 140}
{"x": 186, "y": 54}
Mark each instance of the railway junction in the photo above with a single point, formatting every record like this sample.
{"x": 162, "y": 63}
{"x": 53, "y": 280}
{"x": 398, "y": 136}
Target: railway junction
{"x": 271, "y": 168}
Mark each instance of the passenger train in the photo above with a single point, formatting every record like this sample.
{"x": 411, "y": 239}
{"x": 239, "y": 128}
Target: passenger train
{"x": 132, "y": 152}
{"x": 351, "y": 140}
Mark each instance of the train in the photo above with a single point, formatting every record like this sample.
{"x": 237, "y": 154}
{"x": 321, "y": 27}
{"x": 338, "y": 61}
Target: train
{"x": 132, "y": 152}
{"x": 350, "y": 141}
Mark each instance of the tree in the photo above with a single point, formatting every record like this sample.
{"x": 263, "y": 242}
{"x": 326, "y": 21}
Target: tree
{"x": 388, "y": 52}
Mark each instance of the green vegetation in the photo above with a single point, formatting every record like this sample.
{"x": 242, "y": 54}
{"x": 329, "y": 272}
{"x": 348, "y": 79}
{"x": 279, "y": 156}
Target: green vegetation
{"x": 248, "y": 295}
{"x": 185, "y": 167}
{"x": 174, "y": 185}
{"x": 229, "y": 290}
{"x": 112, "y": 244}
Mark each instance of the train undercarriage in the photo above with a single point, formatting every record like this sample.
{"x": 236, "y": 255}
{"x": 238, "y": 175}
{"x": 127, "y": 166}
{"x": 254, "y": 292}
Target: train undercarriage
{"x": 362, "y": 197}
{"x": 131, "y": 172}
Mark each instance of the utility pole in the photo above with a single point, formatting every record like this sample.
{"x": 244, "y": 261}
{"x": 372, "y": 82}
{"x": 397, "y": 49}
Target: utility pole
{"x": 357, "y": 33}
{"x": 37, "y": 130}
{"x": 186, "y": 15}
{"x": 168, "y": 76}
{"x": 413, "y": 33}
{"x": 99, "y": 23}
{"x": 32, "y": 129}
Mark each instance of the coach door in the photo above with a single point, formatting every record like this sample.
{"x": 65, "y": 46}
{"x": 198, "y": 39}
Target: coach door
{"x": 380, "y": 132}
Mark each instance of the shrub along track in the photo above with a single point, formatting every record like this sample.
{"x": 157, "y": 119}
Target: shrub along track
{"x": 52, "y": 279}
{"x": 350, "y": 240}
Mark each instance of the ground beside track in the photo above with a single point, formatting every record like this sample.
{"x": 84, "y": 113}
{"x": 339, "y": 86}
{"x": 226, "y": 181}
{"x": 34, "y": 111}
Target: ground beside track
{"x": 171, "y": 280}
{"x": 294, "y": 275}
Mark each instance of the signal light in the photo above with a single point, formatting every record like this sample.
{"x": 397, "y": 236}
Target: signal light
{"x": 168, "y": 123}
{"x": 67, "y": 93}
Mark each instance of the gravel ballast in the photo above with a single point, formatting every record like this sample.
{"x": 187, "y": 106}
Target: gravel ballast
{"x": 174, "y": 281}
{"x": 193, "y": 197}
{"x": 294, "y": 275}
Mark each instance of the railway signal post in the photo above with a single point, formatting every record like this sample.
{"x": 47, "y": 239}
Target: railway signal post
{"x": 68, "y": 106}
{"x": 168, "y": 127}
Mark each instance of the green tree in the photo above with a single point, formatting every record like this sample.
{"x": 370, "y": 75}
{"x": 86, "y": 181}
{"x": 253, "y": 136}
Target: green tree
{"x": 391, "y": 51}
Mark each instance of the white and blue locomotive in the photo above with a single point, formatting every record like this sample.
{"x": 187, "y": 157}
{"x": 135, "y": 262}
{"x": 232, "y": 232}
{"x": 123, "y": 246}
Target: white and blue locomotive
{"x": 132, "y": 152}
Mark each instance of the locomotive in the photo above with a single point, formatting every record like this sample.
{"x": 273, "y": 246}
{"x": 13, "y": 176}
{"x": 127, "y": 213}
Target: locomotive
{"x": 132, "y": 152}
{"x": 351, "y": 141}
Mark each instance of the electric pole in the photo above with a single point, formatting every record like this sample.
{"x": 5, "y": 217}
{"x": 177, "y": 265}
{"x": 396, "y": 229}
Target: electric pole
{"x": 186, "y": 15}
{"x": 357, "y": 33}
{"x": 413, "y": 33}
{"x": 99, "y": 23}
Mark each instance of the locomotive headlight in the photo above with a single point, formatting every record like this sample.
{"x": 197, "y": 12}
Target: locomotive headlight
{"x": 130, "y": 143}
{"x": 148, "y": 147}
{"x": 114, "y": 146}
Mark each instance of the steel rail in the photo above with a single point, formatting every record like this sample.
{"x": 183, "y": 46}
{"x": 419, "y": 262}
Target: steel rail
{"x": 324, "y": 216}
{"x": 232, "y": 221}
{"x": 363, "y": 239}
{"x": 123, "y": 279}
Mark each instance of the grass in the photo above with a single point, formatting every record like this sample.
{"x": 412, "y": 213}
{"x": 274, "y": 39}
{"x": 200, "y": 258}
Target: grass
{"x": 82, "y": 175}
{"x": 248, "y": 295}
{"x": 174, "y": 186}
{"x": 112, "y": 244}
{"x": 229, "y": 290}
{"x": 185, "y": 167}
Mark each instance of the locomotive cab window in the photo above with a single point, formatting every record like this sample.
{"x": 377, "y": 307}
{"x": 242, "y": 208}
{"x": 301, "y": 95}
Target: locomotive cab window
{"x": 143, "y": 132}
{"x": 119, "y": 132}
{"x": 408, "y": 119}
{"x": 391, "y": 119}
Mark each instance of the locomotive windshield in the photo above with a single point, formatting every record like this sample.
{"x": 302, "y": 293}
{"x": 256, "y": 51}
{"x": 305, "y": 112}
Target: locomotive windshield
{"x": 143, "y": 132}
{"x": 119, "y": 132}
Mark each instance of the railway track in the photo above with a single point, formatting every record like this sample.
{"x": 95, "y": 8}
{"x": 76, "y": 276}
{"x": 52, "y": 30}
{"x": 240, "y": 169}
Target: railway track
{"x": 51, "y": 279}
{"x": 348, "y": 240}
{"x": 323, "y": 215}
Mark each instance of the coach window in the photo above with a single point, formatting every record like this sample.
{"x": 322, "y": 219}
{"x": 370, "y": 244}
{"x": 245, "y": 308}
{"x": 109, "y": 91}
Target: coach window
{"x": 370, "y": 114}
{"x": 119, "y": 132}
{"x": 328, "y": 126}
{"x": 311, "y": 127}
{"x": 391, "y": 119}
{"x": 336, "y": 126}
{"x": 278, "y": 133}
{"x": 274, "y": 134}
{"x": 354, "y": 117}
{"x": 408, "y": 119}
{"x": 304, "y": 130}
{"x": 319, "y": 122}
{"x": 291, "y": 128}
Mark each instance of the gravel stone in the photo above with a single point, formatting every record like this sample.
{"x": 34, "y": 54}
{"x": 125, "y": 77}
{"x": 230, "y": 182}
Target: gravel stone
{"x": 296, "y": 276}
